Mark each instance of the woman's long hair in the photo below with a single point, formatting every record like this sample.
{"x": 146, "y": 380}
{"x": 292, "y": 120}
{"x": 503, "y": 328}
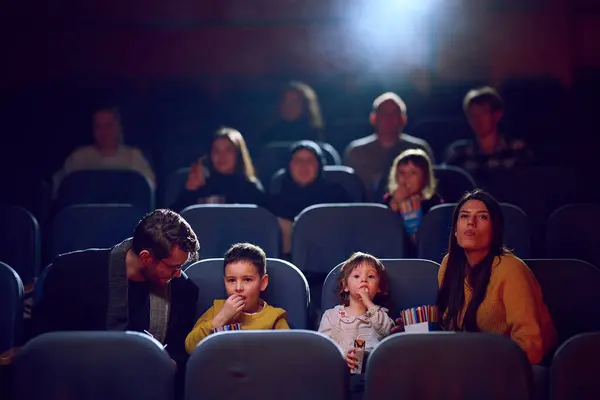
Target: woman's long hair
{"x": 310, "y": 101}
{"x": 243, "y": 163}
{"x": 451, "y": 296}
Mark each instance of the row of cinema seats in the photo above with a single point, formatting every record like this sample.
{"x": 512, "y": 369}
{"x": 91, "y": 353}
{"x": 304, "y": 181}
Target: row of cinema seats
{"x": 539, "y": 191}
{"x": 116, "y": 186}
{"x": 300, "y": 365}
{"x": 569, "y": 288}
{"x": 323, "y": 235}
{"x": 113, "y": 365}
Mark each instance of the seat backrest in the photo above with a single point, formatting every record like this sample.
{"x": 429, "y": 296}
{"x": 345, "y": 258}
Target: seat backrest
{"x": 106, "y": 186}
{"x": 84, "y": 226}
{"x": 218, "y": 226}
{"x": 174, "y": 186}
{"x": 287, "y": 288}
{"x": 574, "y": 370}
{"x": 20, "y": 244}
{"x": 299, "y": 365}
{"x": 572, "y": 232}
{"x": 325, "y": 235}
{"x": 441, "y": 365}
{"x": 93, "y": 365}
{"x": 570, "y": 289}
{"x": 452, "y": 182}
{"x": 11, "y": 311}
{"x": 435, "y": 229}
{"x": 536, "y": 191}
{"x": 342, "y": 175}
{"x": 39, "y": 285}
{"x": 175, "y": 154}
{"x": 412, "y": 283}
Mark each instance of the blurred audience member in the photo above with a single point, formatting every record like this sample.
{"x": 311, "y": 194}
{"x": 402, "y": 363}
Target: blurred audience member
{"x": 411, "y": 190}
{"x": 299, "y": 116}
{"x": 490, "y": 149}
{"x": 303, "y": 185}
{"x": 225, "y": 177}
{"x": 108, "y": 150}
{"x": 372, "y": 156}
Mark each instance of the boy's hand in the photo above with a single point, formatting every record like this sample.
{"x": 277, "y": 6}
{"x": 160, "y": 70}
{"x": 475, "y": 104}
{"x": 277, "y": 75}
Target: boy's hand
{"x": 351, "y": 359}
{"x": 232, "y": 307}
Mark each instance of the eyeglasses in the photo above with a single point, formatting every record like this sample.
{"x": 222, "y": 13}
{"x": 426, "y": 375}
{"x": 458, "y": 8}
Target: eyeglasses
{"x": 173, "y": 269}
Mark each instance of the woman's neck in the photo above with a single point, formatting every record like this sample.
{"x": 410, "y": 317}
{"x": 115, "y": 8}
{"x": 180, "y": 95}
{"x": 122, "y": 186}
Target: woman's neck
{"x": 474, "y": 257}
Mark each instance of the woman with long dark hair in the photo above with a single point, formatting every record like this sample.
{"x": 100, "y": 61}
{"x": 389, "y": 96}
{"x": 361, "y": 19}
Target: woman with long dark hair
{"x": 225, "y": 176}
{"x": 484, "y": 287}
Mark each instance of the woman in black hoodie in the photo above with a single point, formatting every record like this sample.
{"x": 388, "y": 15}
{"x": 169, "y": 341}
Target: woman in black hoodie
{"x": 231, "y": 178}
{"x": 303, "y": 185}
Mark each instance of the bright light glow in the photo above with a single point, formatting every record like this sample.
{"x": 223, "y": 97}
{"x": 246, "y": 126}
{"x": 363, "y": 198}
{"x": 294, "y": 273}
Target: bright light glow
{"x": 392, "y": 33}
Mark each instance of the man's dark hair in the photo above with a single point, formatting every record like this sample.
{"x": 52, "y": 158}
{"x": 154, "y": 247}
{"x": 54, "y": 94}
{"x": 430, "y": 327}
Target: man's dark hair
{"x": 249, "y": 253}
{"x": 160, "y": 230}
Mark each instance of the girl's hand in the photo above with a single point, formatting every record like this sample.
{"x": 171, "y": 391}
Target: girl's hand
{"x": 364, "y": 297}
{"x": 401, "y": 194}
{"x": 351, "y": 359}
{"x": 399, "y": 326}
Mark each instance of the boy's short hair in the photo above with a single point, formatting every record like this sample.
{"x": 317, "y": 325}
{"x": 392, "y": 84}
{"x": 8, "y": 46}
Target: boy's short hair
{"x": 483, "y": 95}
{"x": 249, "y": 253}
{"x": 389, "y": 96}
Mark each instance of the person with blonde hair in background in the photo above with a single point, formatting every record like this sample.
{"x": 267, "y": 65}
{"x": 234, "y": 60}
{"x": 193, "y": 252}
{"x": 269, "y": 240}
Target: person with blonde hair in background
{"x": 412, "y": 189}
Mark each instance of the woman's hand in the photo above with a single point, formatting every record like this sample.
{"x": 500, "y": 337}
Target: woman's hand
{"x": 196, "y": 178}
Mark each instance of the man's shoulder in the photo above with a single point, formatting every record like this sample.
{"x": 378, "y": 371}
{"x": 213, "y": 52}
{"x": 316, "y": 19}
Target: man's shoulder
{"x": 414, "y": 141}
{"x": 362, "y": 143}
{"x": 82, "y": 260}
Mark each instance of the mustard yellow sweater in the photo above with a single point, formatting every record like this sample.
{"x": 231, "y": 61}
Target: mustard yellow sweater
{"x": 513, "y": 307}
{"x": 267, "y": 318}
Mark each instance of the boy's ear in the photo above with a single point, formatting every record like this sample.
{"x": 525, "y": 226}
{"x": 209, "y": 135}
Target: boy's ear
{"x": 373, "y": 118}
{"x": 264, "y": 282}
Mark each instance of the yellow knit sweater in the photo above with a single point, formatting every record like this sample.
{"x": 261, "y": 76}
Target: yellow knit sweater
{"x": 513, "y": 307}
{"x": 267, "y": 318}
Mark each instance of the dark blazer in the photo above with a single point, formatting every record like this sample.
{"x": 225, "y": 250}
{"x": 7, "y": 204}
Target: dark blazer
{"x": 75, "y": 297}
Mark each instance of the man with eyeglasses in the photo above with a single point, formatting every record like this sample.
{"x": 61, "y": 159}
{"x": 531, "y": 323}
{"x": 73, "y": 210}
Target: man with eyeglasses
{"x": 137, "y": 285}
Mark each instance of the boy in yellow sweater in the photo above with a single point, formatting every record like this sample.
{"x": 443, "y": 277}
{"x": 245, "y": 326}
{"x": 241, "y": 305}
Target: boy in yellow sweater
{"x": 245, "y": 276}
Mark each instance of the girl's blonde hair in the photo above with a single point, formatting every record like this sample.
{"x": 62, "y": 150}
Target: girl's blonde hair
{"x": 244, "y": 161}
{"x": 421, "y": 160}
{"x": 350, "y": 265}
